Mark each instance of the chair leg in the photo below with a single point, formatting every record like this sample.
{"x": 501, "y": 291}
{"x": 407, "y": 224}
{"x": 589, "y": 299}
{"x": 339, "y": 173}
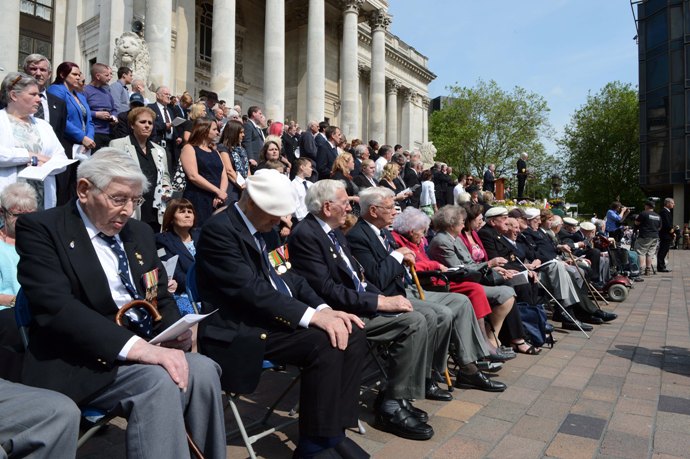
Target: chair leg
{"x": 240, "y": 426}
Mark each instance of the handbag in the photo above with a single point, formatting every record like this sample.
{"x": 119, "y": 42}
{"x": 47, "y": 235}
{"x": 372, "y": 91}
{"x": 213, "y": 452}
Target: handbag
{"x": 537, "y": 329}
{"x": 179, "y": 181}
{"x": 462, "y": 274}
{"x": 491, "y": 278}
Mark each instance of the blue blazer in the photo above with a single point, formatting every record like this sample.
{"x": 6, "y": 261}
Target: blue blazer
{"x": 172, "y": 245}
{"x": 73, "y": 128}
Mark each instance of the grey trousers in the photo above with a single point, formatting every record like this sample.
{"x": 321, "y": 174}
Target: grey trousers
{"x": 556, "y": 278}
{"x": 465, "y": 335}
{"x": 407, "y": 365}
{"x": 37, "y": 423}
{"x": 157, "y": 410}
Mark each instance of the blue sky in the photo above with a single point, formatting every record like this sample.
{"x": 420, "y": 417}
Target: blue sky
{"x": 560, "y": 49}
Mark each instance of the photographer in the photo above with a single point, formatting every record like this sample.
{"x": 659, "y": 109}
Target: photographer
{"x": 614, "y": 220}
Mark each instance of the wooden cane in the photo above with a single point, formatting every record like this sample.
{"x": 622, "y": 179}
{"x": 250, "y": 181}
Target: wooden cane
{"x": 156, "y": 316}
{"x": 595, "y": 293}
{"x": 413, "y": 273}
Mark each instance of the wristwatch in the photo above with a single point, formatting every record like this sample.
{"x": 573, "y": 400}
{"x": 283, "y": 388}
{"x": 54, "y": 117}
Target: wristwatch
{"x": 34, "y": 160}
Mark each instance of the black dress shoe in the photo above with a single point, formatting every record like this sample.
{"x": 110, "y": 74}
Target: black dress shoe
{"x": 348, "y": 449}
{"x": 663, "y": 270}
{"x": 590, "y": 319}
{"x": 421, "y": 415}
{"x": 433, "y": 392}
{"x": 500, "y": 356}
{"x": 605, "y": 315}
{"x": 479, "y": 381}
{"x": 403, "y": 424}
{"x": 567, "y": 325}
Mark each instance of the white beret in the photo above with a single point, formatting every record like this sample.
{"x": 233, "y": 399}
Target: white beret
{"x": 496, "y": 212}
{"x": 272, "y": 192}
{"x": 570, "y": 221}
{"x": 531, "y": 213}
{"x": 587, "y": 226}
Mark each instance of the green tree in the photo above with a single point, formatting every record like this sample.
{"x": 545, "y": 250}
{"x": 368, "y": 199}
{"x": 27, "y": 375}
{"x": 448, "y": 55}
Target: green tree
{"x": 601, "y": 150}
{"x": 485, "y": 124}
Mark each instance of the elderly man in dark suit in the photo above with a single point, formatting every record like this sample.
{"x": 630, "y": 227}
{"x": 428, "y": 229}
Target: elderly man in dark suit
{"x": 327, "y": 152}
{"x": 253, "y": 134}
{"x": 665, "y": 235}
{"x": 307, "y": 146}
{"x": 320, "y": 252}
{"x": 264, "y": 315}
{"x": 374, "y": 247}
{"x": 163, "y": 131}
{"x": 79, "y": 264}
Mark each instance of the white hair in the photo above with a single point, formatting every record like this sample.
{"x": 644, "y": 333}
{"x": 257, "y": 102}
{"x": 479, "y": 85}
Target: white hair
{"x": 109, "y": 164}
{"x": 410, "y": 220}
{"x": 320, "y": 192}
{"x": 373, "y": 196}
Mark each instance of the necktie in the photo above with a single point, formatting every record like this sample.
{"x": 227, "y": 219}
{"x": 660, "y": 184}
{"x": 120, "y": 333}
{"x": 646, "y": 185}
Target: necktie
{"x": 279, "y": 284}
{"x": 358, "y": 284}
{"x": 166, "y": 115}
{"x": 306, "y": 188}
{"x": 40, "y": 113}
{"x": 122, "y": 265}
{"x": 142, "y": 324}
{"x": 406, "y": 278}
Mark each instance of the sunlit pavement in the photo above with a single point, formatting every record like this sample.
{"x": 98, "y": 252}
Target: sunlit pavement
{"x": 623, "y": 393}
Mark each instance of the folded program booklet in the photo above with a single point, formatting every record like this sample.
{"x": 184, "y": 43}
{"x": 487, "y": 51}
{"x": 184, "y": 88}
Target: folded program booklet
{"x": 179, "y": 327}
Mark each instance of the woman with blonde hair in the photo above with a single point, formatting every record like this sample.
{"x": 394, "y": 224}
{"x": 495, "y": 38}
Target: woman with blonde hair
{"x": 390, "y": 180}
{"x": 196, "y": 111}
{"x": 342, "y": 169}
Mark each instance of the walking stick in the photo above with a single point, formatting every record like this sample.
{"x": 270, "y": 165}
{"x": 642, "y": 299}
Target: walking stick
{"x": 567, "y": 314}
{"x": 594, "y": 292}
{"x": 415, "y": 278}
{"x": 156, "y": 316}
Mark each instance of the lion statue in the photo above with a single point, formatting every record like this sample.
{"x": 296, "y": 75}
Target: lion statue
{"x": 428, "y": 153}
{"x": 132, "y": 51}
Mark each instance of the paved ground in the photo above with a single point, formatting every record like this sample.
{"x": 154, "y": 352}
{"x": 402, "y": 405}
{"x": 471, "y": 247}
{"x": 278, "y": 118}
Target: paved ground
{"x": 624, "y": 393}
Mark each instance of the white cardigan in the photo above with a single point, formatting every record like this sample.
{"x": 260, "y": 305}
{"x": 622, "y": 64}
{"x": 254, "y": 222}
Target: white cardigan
{"x": 12, "y": 158}
{"x": 162, "y": 189}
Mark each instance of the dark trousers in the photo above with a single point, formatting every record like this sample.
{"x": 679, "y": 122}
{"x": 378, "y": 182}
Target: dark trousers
{"x": 329, "y": 389}
{"x": 102, "y": 140}
{"x": 664, "y": 246}
{"x": 521, "y": 185}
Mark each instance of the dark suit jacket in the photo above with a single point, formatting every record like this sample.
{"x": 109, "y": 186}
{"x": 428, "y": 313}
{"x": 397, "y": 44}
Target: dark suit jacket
{"x": 325, "y": 157}
{"x": 312, "y": 256}
{"x": 497, "y": 246}
{"x": 666, "y": 224}
{"x": 544, "y": 248}
{"x": 159, "y": 130}
{"x": 74, "y": 341}
{"x": 289, "y": 145}
{"x": 383, "y": 271}
{"x": 171, "y": 243}
{"x": 232, "y": 278}
{"x": 411, "y": 179}
{"x": 253, "y": 141}
{"x": 362, "y": 182}
{"x": 307, "y": 145}
{"x": 489, "y": 181}
{"x": 122, "y": 128}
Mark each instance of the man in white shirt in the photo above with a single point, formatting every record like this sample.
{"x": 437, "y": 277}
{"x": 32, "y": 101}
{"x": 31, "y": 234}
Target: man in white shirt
{"x": 385, "y": 155}
{"x": 301, "y": 184}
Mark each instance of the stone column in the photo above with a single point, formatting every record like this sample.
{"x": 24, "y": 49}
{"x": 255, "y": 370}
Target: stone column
{"x": 364, "y": 76}
{"x": 425, "y": 119}
{"x": 316, "y": 60}
{"x": 349, "y": 71}
{"x": 158, "y": 35}
{"x": 392, "y": 87}
{"x": 9, "y": 37}
{"x": 379, "y": 22}
{"x": 274, "y": 60}
{"x": 407, "y": 136}
{"x": 111, "y": 25}
{"x": 223, "y": 51}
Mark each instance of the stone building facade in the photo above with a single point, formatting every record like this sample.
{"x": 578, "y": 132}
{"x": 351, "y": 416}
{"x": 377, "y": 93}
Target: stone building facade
{"x": 297, "y": 59}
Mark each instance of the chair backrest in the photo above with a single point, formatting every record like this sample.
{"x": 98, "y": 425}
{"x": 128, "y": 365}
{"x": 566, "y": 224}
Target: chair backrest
{"x": 191, "y": 288}
{"x": 22, "y": 316}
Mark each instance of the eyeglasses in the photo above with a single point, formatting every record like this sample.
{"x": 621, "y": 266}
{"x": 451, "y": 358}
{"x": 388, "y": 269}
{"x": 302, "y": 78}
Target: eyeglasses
{"x": 388, "y": 208}
{"x": 121, "y": 201}
{"x": 9, "y": 213}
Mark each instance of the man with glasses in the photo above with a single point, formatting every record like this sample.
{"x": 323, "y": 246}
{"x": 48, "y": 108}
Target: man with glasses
{"x": 163, "y": 130}
{"x": 79, "y": 265}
